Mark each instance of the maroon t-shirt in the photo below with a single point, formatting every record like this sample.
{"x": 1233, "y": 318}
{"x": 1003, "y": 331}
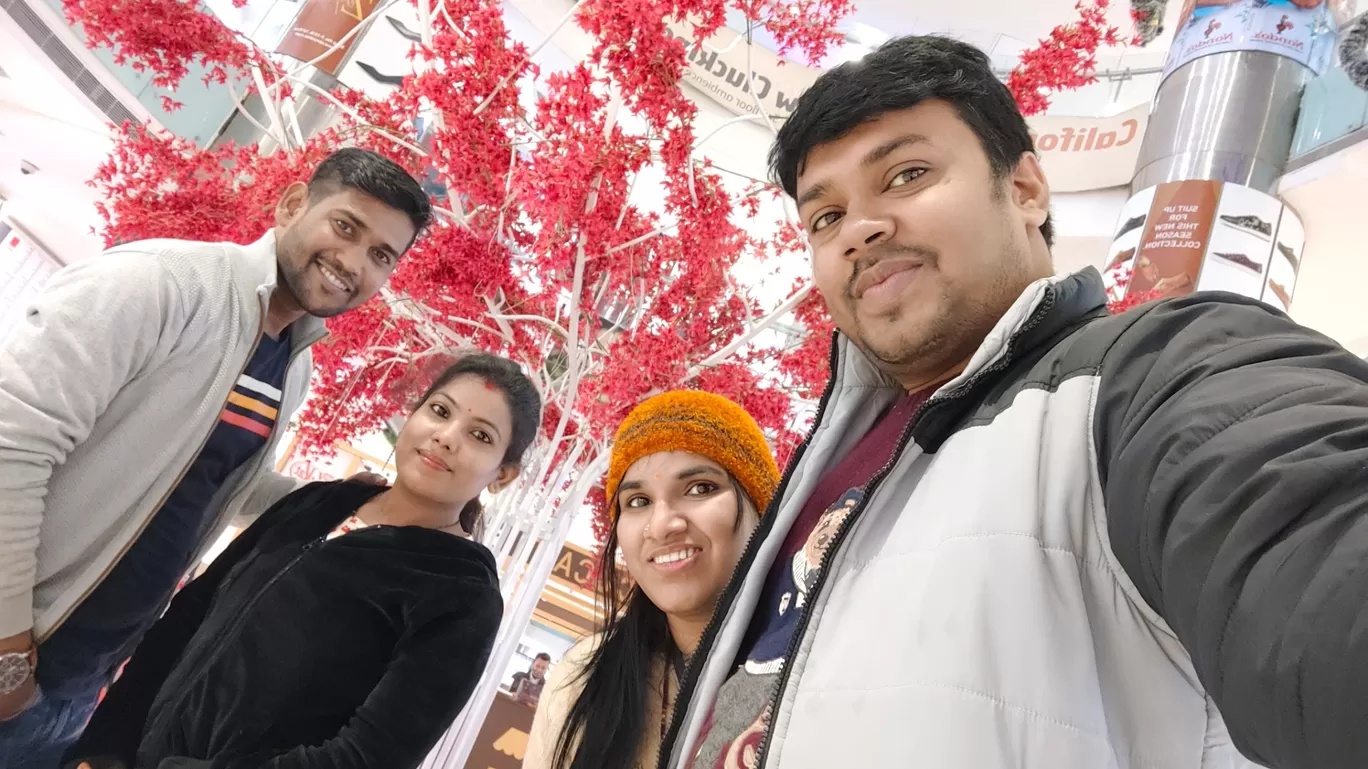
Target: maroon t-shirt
{"x": 733, "y": 731}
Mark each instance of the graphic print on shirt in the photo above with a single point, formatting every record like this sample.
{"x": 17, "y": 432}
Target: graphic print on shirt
{"x": 353, "y": 523}
{"x": 782, "y": 608}
{"x": 784, "y": 605}
{"x": 253, "y": 406}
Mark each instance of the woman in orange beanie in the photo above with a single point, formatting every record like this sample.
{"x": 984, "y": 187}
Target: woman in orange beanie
{"x": 690, "y": 475}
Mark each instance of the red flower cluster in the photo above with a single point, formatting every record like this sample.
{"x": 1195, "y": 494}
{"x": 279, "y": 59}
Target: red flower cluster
{"x": 1064, "y": 60}
{"x": 164, "y": 37}
{"x": 806, "y": 26}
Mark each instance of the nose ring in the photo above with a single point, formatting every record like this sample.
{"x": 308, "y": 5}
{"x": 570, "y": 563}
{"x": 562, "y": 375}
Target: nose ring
{"x": 646, "y": 532}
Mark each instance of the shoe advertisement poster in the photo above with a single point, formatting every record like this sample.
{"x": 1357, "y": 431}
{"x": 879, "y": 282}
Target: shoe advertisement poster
{"x": 1285, "y": 262}
{"x": 1241, "y": 242}
{"x": 1301, "y": 30}
{"x": 1168, "y": 257}
{"x": 1188, "y": 236}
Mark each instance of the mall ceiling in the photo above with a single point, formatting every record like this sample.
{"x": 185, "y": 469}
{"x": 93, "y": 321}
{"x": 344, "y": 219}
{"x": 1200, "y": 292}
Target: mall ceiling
{"x": 50, "y": 144}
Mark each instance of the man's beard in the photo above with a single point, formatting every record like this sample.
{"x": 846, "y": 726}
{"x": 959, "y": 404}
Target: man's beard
{"x": 291, "y": 267}
{"x": 961, "y": 323}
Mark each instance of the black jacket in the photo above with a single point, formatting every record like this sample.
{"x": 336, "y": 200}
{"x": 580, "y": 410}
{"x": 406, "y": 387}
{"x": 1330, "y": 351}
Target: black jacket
{"x": 293, "y": 651}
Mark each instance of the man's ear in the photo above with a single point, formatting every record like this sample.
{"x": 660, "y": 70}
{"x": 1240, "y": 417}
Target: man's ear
{"x": 507, "y": 474}
{"x": 1031, "y": 190}
{"x": 291, "y": 204}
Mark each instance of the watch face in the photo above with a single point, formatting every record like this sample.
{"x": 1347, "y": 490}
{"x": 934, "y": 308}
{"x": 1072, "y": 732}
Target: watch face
{"x": 14, "y": 671}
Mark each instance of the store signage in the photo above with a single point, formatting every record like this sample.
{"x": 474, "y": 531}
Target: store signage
{"x": 718, "y": 69}
{"x": 574, "y": 569}
{"x": 1083, "y": 153}
{"x": 1077, "y": 153}
{"x": 318, "y": 27}
{"x": 1188, "y": 236}
{"x": 1301, "y": 30}
{"x": 502, "y": 740}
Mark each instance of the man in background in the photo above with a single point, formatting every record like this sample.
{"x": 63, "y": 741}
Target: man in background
{"x": 527, "y": 687}
{"x": 141, "y": 400}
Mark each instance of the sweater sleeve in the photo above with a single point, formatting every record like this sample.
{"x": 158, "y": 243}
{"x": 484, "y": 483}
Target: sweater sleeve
{"x": 96, "y": 326}
{"x": 563, "y": 687}
{"x": 1233, "y": 446}
{"x": 434, "y": 671}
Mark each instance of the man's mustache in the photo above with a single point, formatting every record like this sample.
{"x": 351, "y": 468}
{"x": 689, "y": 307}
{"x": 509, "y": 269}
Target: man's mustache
{"x": 882, "y": 251}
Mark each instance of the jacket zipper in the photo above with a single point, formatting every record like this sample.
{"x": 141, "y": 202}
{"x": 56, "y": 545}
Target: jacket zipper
{"x": 762, "y": 751}
{"x": 206, "y": 655}
{"x": 261, "y": 320}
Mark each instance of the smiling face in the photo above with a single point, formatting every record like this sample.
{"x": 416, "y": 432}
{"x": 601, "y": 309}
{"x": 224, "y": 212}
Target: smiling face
{"x": 453, "y": 445}
{"x": 336, "y": 250}
{"x": 678, "y": 529}
{"x": 918, "y": 249}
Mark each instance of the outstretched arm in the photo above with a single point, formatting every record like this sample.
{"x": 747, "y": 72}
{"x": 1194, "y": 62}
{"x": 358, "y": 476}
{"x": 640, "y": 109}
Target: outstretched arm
{"x": 1234, "y": 456}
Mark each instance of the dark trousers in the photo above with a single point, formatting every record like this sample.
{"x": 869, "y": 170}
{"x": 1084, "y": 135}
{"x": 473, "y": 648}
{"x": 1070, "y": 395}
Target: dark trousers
{"x": 37, "y": 738}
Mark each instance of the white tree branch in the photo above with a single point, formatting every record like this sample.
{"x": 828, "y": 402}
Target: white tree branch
{"x": 642, "y": 239}
{"x": 752, "y": 331}
{"x": 570, "y": 14}
{"x": 534, "y": 319}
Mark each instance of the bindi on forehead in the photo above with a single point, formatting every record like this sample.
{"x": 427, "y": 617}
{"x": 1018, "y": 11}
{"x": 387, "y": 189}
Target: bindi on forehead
{"x": 490, "y": 386}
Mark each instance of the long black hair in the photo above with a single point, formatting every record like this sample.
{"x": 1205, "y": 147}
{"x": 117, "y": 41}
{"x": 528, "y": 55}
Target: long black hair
{"x": 524, "y": 406}
{"x": 608, "y": 719}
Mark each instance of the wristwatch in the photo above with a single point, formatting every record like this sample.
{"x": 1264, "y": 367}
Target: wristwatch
{"x": 16, "y": 668}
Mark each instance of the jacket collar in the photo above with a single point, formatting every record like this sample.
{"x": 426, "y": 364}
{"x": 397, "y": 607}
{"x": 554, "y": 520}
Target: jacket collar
{"x": 259, "y": 279}
{"x": 1047, "y": 308}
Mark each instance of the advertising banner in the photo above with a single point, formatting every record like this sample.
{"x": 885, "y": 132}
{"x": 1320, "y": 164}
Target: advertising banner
{"x": 318, "y": 27}
{"x": 719, "y": 70}
{"x": 1188, "y": 236}
{"x": 1174, "y": 240}
{"x": 1086, "y": 153}
{"x": 1301, "y": 30}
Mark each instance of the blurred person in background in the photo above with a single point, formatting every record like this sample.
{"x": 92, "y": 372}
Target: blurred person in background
{"x": 690, "y": 474}
{"x": 348, "y": 626}
{"x": 527, "y": 687}
{"x": 141, "y": 399}
{"x": 1023, "y": 531}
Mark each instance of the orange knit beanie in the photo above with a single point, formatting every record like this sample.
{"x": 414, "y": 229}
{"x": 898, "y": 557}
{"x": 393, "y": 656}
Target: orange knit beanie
{"x": 700, "y": 423}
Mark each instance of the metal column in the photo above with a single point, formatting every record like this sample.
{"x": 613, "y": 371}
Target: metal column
{"x": 1225, "y": 117}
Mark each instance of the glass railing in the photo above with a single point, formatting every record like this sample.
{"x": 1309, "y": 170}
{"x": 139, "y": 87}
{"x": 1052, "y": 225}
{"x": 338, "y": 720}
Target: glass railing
{"x": 1332, "y": 107}
{"x": 205, "y": 109}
